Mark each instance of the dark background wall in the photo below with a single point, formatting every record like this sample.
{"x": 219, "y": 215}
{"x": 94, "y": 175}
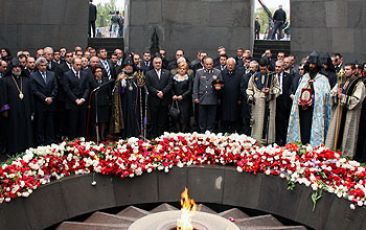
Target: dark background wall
{"x": 323, "y": 25}
{"x": 190, "y": 24}
{"x": 30, "y": 24}
{"x": 329, "y": 26}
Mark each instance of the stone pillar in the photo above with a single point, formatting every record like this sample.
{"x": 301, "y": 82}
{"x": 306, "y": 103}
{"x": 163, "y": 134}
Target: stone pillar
{"x": 329, "y": 26}
{"x": 38, "y": 23}
{"x": 190, "y": 24}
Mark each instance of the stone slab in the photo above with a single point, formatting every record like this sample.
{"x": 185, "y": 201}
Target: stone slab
{"x": 349, "y": 220}
{"x": 313, "y": 218}
{"x": 307, "y": 14}
{"x": 137, "y": 190}
{"x": 14, "y": 216}
{"x": 82, "y": 197}
{"x": 206, "y": 184}
{"x": 33, "y": 18}
{"x": 275, "y": 198}
{"x": 242, "y": 190}
{"x": 46, "y": 206}
{"x": 172, "y": 184}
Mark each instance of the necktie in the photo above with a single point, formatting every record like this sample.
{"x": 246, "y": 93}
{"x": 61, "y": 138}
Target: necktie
{"x": 44, "y": 77}
{"x": 78, "y": 75}
{"x": 158, "y": 73}
{"x": 106, "y": 66}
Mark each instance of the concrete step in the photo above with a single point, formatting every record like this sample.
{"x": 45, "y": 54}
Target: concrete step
{"x": 91, "y": 226}
{"x": 133, "y": 212}
{"x": 233, "y": 213}
{"x": 101, "y": 218}
{"x": 163, "y": 207}
{"x": 203, "y": 208}
{"x": 264, "y": 220}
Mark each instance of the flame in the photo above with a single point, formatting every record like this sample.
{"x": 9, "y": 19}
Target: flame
{"x": 188, "y": 208}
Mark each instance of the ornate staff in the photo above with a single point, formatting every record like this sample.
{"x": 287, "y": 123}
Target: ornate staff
{"x": 339, "y": 110}
{"x": 140, "y": 78}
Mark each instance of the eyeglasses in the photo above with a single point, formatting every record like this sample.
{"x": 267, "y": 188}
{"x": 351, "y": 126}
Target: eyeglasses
{"x": 301, "y": 69}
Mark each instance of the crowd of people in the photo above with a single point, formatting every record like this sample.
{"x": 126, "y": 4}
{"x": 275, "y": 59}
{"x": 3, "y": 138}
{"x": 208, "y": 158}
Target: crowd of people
{"x": 61, "y": 93}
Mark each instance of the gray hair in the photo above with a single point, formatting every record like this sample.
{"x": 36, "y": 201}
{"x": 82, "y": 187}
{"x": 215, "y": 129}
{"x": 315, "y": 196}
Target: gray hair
{"x": 41, "y": 60}
{"x": 48, "y": 49}
{"x": 254, "y": 63}
{"x": 231, "y": 59}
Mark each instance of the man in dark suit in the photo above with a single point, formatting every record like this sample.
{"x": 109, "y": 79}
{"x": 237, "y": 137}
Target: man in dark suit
{"x": 146, "y": 62}
{"x": 48, "y": 54}
{"x": 105, "y": 63}
{"x": 76, "y": 86}
{"x": 61, "y": 96}
{"x": 159, "y": 85}
{"x": 92, "y": 17}
{"x": 30, "y": 67}
{"x": 231, "y": 96}
{"x": 283, "y": 103}
{"x": 44, "y": 88}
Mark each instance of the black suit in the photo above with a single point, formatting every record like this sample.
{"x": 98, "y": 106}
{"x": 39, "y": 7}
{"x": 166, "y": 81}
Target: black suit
{"x": 146, "y": 66}
{"x": 76, "y": 88}
{"x": 158, "y": 108}
{"x": 246, "y": 109}
{"x": 60, "y": 70}
{"x": 52, "y": 66}
{"x": 230, "y": 100}
{"x": 283, "y": 108}
{"x": 44, "y": 113}
{"x": 92, "y": 18}
{"x": 295, "y": 83}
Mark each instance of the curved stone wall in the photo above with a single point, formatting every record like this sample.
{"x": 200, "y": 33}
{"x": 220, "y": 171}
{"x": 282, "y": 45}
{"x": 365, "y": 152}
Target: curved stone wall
{"x": 73, "y": 196}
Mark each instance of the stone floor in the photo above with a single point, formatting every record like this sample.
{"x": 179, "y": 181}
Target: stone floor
{"x": 123, "y": 219}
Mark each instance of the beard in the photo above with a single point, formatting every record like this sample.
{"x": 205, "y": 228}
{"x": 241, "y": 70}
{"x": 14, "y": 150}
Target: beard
{"x": 313, "y": 71}
{"x": 129, "y": 72}
{"x": 16, "y": 73}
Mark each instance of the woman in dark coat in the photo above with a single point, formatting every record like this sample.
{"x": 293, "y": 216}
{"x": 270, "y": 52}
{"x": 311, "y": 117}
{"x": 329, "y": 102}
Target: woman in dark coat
{"x": 101, "y": 101}
{"x": 182, "y": 97}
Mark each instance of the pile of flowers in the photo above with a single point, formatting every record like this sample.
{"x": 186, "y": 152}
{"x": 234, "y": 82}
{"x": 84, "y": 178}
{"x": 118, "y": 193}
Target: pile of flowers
{"x": 318, "y": 168}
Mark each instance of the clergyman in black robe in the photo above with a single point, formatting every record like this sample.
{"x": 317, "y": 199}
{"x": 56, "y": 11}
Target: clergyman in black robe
{"x": 18, "y": 111}
{"x": 131, "y": 101}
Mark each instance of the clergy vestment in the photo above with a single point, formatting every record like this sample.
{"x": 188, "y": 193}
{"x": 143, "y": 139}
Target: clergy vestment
{"x": 19, "y": 104}
{"x": 351, "y": 105}
{"x": 262, "y": 130}
{"x": 320, "y": 115}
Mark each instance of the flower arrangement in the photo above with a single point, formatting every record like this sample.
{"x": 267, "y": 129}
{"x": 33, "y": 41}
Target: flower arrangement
{"x": 318, "y": 168}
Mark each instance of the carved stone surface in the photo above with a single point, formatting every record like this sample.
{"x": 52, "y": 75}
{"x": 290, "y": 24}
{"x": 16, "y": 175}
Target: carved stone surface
{"x": 75, "y": 195}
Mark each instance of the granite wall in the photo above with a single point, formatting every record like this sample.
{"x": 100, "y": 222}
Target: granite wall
{"x": 30, "y": 24}
{"x": 329, "y": 26}
{"x": 190, "y": 24}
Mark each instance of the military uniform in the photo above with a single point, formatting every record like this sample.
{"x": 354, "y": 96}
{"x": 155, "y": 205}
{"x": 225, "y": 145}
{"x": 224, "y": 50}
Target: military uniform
{"x": 204, "y": 91}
